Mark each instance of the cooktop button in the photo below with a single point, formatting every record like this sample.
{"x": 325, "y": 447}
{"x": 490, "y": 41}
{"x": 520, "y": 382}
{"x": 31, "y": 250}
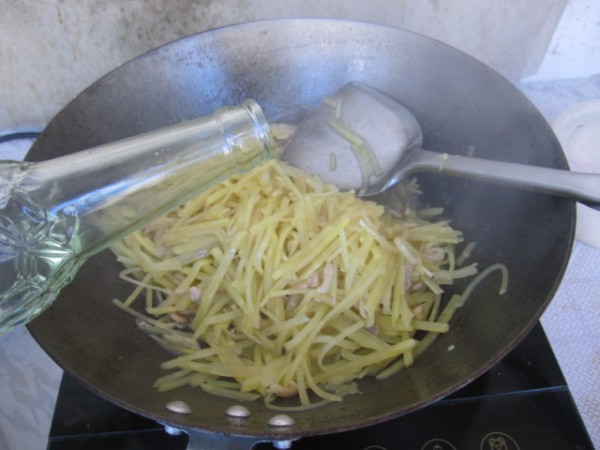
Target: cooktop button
{"x": 498, "y": 441}
{"x": 438, "y": 444}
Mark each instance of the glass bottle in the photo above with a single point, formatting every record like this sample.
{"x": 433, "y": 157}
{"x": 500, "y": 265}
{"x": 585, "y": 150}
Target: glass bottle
{"x": 55, "y": 214}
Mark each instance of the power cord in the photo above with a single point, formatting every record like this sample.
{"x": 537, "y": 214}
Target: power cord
{"x": 19, "y": 135}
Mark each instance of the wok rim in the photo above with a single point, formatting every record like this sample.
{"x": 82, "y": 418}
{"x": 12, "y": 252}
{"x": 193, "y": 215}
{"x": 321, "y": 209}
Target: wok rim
{"x": 291, "y": 434}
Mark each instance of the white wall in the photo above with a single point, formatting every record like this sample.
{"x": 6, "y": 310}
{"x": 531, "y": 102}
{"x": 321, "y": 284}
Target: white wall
{"x": 574, "y": 51}
{"x": 50, "y": 50}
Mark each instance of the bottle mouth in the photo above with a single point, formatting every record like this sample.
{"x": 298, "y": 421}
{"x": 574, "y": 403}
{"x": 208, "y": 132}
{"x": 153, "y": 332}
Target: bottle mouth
{"x": 261, "y": 127}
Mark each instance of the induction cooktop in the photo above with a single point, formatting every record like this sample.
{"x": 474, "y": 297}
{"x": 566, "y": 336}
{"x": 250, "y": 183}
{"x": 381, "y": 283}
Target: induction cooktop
{"x": 521, "y": 403}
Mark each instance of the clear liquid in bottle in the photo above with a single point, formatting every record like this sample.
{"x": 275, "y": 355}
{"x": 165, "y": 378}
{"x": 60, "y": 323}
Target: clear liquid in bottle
{"x": 55, "y": 214}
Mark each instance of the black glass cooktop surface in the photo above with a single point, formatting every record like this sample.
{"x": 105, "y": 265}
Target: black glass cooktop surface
{"x": 521, "y": 403}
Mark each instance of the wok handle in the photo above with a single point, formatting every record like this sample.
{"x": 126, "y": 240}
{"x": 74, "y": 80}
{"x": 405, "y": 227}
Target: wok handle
{"x": 583, "y": 187}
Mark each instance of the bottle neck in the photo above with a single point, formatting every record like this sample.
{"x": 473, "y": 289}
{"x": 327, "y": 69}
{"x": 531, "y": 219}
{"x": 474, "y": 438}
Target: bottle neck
{"x": 108, "y": 191}
{"x": 55, "y": 214}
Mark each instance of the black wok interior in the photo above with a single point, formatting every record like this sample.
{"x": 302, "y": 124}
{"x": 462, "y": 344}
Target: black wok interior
{"x": 288, "y": 65}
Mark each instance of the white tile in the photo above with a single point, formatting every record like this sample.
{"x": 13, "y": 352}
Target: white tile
{"x": 29, "y": 382}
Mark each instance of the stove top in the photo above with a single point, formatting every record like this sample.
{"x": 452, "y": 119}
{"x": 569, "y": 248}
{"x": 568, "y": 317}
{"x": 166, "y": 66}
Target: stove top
{"x": 521, "y": 403}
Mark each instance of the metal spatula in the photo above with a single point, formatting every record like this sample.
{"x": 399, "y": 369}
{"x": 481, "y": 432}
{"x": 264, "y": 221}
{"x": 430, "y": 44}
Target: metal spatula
{"x": 359, "y": 138}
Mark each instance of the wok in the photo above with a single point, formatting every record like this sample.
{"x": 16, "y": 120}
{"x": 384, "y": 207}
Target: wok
{"x": 286, "y": 66}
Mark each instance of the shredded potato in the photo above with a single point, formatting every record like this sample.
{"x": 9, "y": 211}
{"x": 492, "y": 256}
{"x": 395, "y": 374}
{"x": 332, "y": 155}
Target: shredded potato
{"x": 273, "y": 284}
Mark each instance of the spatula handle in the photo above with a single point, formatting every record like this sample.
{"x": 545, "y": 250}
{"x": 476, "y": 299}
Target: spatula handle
{"x": 583, "y": 187}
